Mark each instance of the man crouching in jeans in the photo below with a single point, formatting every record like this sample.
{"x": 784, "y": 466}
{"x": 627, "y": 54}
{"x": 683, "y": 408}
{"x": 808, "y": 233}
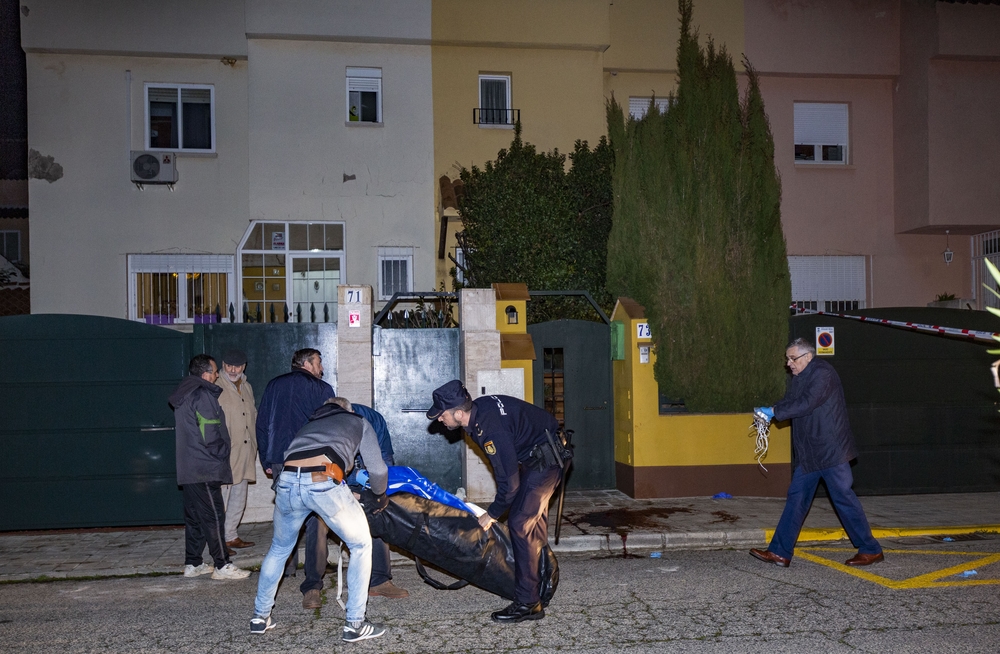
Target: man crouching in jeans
{"x": 312, "y": 479}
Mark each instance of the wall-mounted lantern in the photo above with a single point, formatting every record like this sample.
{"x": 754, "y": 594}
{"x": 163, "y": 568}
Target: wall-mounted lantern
{"x": 948, "y": 254}
{"x": 511, "y": 312}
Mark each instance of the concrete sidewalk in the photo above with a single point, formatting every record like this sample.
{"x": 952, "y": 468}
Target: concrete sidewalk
{"x": 607, "y": 522}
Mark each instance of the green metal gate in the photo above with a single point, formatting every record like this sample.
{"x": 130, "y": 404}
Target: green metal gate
{"x": 85, "y": 422}
{"x": 574, "y": 357}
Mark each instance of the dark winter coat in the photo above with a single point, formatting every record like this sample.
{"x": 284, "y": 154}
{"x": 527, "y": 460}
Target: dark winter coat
{"x": 821, "y": 432}
{"x": 285, "y": 407}
{"x": 200, "y": 429}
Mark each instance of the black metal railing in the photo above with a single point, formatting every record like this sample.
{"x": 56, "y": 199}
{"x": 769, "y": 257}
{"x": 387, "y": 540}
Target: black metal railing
{"x": 487, "y": 116}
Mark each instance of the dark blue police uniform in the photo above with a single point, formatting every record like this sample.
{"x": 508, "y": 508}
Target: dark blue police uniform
{"x": 508, "y": 429}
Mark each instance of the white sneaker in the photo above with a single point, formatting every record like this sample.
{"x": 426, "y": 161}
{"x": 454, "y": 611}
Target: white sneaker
{"x": 197, "y": 571}
{"x": 230, "y": 571}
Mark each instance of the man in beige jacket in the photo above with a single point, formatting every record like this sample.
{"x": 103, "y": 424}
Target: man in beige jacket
{"x": 237, "y": 403}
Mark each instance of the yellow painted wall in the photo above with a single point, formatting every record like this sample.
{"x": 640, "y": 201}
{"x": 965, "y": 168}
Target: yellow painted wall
{"x": 553, "y": 53}
{"x": 521, "y": 327}
{"x": 529, "y": 382}
{"x": 643, "y": 437}
{"x": 642, "y": 58}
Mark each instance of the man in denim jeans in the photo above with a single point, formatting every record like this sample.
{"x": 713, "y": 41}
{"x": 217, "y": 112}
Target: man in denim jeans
{"x": 312, "y": 479}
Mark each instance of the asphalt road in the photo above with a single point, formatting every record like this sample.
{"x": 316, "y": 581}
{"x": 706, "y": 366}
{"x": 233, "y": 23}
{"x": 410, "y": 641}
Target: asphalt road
{"x": 697, "y": 601}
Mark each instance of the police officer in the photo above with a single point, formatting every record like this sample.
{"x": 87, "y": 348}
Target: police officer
{"x": 527, "y": 470}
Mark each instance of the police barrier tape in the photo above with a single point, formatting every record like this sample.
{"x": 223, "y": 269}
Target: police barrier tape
{"x": 913, "y": 326}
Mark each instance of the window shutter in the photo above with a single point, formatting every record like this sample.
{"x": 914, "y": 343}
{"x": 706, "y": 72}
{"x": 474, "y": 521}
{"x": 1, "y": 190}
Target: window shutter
{"x": 200, "y": 96}
{"x": 638, "y": 106}
{"x": 364, "y": 79}
{"x": 820, "y": 123}
{"x": 363, "y": 84}
{"x": 828, "y": 278}
{"x": 158, "y": 94}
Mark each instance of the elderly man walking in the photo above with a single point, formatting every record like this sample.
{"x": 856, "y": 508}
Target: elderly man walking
{"x": 237, "y": 403}
{"x": 824, "y": 447}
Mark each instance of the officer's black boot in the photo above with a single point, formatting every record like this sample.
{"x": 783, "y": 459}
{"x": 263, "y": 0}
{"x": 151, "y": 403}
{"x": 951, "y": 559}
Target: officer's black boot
{"x": 518, "y": 612}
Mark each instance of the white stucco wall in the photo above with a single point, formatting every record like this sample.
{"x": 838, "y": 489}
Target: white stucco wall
{"x": 84, "y": 224}
{"x": 301, "y": 148}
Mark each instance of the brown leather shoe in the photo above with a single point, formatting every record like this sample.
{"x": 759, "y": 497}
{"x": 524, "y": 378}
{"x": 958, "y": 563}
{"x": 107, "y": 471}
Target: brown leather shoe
{"x": 230, "y": 551}
{"x": 311, "y": 599}
{"x": 387, "y": 589}
{"x": 767, "y": 556}
{"x": 239, "y": 543}
{"x": 865, "y": 559}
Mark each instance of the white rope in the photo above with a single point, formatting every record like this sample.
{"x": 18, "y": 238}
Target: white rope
{"x": 340, "y": 576}
{"x": 762, "y": 428}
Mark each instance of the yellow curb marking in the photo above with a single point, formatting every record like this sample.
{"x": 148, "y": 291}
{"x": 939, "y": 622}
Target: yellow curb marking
{"x": 928, "y": 580}
{"x": 807, "y": 535}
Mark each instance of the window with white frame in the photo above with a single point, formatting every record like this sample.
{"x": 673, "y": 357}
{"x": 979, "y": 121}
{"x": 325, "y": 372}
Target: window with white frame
{"x": 180, "y": 117}
{"x": 494, "y": 101}
{"x": 638, "y": 106}
{"x": 828, "y": 283}
{"x": 180, "y": 288}
{"x": 821, "y": 133}
{"x": 10, "y": 245}
{"x": 395, "y": 271}
{"x": 364, "y": 95}
{"x": 290, "y": 271}
{"x": 460, "y": 258}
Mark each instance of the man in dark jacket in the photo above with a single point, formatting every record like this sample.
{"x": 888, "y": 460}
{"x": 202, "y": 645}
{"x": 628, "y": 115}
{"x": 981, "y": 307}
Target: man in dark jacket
{"x": 824, "y": 447}
{"x": 202, "y": 468}
{"x": 285, "y": 407}
{"x": 312, "y": 480}
{"x": 513, "y": 435}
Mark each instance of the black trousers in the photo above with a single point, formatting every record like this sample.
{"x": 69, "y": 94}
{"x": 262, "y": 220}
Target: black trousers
{"x": 528, "y": 523}
{"x": 204, "y": 522}
{"x": 317, "y": 550}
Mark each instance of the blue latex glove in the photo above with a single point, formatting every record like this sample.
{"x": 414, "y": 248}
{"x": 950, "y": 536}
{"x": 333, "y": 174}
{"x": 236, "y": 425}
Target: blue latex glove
{"x": 765, "y": 411}
{"x": 362, "y": 478}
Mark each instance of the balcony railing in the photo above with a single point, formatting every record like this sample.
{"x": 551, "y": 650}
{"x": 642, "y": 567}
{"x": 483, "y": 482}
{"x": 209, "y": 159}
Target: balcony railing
{"x": 486, "y": 116}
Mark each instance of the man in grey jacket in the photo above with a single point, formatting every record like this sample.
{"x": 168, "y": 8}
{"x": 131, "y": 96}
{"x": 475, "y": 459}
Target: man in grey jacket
{"x": 314, "y": 466}
{"x": 202, "y": 444}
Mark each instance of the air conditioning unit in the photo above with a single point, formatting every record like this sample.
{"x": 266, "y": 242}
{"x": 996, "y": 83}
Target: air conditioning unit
{"x": 153, "y": 167}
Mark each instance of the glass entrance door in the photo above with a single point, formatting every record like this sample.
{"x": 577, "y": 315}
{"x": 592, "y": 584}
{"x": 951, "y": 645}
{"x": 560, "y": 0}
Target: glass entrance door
{"x": 314, "y": 287}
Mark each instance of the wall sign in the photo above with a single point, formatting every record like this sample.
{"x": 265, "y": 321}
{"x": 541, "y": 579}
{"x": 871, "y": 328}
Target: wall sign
{"x": 824, "y": 341}
{"x": 354, "y": 318}
{"x": 643, "y": 354}
{"x": 642, "y": 330}
{"x": 277, "y": 240}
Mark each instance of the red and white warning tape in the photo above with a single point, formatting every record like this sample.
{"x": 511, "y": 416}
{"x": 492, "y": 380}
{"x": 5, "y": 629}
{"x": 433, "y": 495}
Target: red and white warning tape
{"x": 971, "y": 334}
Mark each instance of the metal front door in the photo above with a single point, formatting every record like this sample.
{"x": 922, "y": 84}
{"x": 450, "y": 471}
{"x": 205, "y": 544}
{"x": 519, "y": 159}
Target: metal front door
{"x": 572, "y": 379}
{"x": 314, "y": 281}
{"x": 409, "y": 365}
{"x": 85, "y": 424}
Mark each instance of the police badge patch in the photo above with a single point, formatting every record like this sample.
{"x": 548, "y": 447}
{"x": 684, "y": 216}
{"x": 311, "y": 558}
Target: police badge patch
{"x": 490, "y": 448}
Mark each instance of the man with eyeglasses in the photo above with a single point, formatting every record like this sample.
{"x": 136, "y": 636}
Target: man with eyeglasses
{"x": 824, "y": 447}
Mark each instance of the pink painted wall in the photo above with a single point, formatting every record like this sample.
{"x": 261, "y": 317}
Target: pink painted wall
{"x": 838, "y": 210}
{"x": 821, "y": 37}
{"x": 964, "y": 144}
{"x": 966, "y": 30}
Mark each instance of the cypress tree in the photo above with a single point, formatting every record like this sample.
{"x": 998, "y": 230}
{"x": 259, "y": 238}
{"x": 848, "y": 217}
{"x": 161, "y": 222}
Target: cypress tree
{"x": 696, "y": 236}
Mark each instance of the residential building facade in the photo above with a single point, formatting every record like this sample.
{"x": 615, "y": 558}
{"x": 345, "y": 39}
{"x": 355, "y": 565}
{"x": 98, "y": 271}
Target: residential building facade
{"x": 237, "y": 160}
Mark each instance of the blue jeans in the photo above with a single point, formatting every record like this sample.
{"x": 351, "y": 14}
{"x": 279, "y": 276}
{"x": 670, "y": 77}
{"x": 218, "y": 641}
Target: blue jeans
{"x": 297, "y": 496}
{"x": 800, "y": 496}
